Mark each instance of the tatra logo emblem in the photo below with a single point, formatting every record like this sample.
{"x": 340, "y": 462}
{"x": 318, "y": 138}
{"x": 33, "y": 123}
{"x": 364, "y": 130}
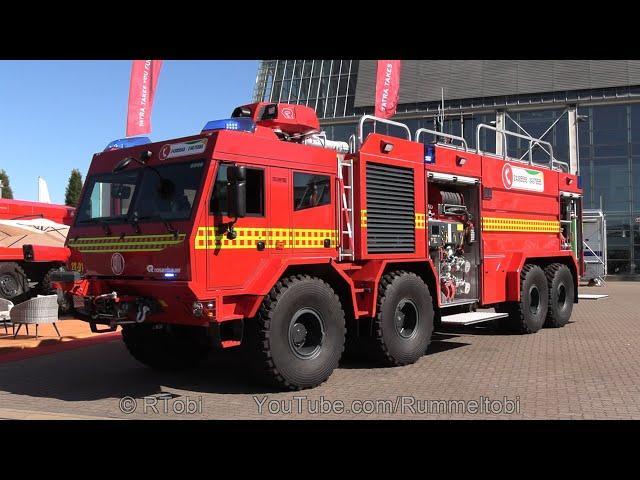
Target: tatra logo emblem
{"x": 117, "y": 264}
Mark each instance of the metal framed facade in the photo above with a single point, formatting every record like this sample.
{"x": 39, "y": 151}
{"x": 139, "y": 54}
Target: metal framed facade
{"x": 608, "y": 126}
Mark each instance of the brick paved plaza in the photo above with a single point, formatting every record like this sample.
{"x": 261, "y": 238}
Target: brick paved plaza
{"x": 589, "y": 369}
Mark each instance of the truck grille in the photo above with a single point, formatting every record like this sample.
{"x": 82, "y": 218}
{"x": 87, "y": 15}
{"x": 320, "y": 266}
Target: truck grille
{"x": 390, "y": 209}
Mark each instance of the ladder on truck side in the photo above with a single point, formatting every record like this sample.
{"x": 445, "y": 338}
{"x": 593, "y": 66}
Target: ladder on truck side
{"x": 345, "y": 221}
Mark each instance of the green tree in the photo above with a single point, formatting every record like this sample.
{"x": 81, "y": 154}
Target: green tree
{"x": 74, "y": 187}
{"x": 6, "y": 187}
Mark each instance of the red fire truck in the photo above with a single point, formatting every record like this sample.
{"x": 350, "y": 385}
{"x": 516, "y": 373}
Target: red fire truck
{"x": 261, "y": 233}
{"x": 32, "y": 243}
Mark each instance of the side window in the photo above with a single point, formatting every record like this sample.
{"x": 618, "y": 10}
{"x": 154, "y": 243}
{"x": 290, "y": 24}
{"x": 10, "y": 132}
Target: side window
{"x": 218, "y": 202}
{"x": 255, "y": 193}
{"x": 310, "y": 190}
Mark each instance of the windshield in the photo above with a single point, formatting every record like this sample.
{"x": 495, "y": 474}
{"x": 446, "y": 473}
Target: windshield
{"x": 167, "y": 192}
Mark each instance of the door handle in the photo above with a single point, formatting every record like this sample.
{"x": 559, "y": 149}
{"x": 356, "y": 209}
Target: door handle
{"x": 260, "y": 245}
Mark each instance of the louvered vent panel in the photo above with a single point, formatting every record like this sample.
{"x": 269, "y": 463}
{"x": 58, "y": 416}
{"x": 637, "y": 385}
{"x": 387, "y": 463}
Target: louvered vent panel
{"x": 390, "y": 209}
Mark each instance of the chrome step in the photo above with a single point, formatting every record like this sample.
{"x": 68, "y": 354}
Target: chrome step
{"x": 472, "y": 318}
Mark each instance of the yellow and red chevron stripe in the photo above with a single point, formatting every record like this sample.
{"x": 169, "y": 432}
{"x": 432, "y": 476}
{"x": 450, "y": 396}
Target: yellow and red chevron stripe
{"x": 209, "y": 238}
{"x": 128, "y": 243}
{"x": 494, "y": 224}
{"x": 363, "y": 218}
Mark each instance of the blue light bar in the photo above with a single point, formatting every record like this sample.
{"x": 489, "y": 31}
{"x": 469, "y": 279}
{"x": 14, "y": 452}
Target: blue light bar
{"x": 127, "y": 142}
{"x": 238, "y": 124}
{"x": 169, "y": 275}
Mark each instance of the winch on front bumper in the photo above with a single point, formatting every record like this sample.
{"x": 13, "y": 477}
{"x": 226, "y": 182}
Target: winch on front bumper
{"x": 113, "y": 310}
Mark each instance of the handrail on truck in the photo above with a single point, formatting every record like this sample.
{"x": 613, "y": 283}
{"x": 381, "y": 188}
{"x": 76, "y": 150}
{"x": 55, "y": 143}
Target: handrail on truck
{"x": 373, "y": 118}
{"x": 532, "y": 142}
{"x": 441, "y": 134}
{"x": 352, "y": 143}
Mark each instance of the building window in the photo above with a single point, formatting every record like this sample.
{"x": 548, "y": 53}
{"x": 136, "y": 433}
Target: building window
{"x": 310, "y": 190}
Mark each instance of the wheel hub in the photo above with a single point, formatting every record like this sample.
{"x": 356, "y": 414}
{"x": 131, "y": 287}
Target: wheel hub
{"x": 406, "y": 318}
{"x": 306, "y": 333}
{"x": 8, "y": 285}
{"x": 299, "y": 334}
{"x": 534, "y": 300}
{"x": 562, "y": 296}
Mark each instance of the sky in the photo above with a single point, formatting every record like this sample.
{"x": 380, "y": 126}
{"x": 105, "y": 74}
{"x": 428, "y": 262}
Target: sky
{"x": 54, "y": 115}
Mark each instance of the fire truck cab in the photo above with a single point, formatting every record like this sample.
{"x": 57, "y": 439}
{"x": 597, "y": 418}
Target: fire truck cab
{"x": 260, "y": 233}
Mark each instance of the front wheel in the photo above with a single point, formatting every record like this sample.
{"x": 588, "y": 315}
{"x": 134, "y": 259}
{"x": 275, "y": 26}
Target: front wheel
{"x": 13, "y": 282}
{"x": 298, "y": 336}
{"x": 65, "y": 303}
{"x": 166, "y": 347}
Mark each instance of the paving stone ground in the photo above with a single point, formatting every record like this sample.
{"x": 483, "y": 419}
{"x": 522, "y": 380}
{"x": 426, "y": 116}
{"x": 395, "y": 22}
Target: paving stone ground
{"x": 589, "y": 369}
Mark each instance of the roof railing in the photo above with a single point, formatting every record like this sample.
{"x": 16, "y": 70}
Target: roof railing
{"x": 532, "y": 143}
{"x": 352, "y": 143}
{"x": 356, "y": 141}
{"x": 375, "y": 119}
{"x": 420, "y": 131}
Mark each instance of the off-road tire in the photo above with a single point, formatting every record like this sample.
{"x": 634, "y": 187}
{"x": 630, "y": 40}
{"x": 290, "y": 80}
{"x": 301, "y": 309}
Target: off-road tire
{"x": 175, "y": 347}
{"x": 14, "y": 284}
{"x": 561, "y": 295}
{"x": 274, "y": 356}
{"x": 392, "y": 347}
{"x": 45, "y": 288}
{"x": 523, "y": 317}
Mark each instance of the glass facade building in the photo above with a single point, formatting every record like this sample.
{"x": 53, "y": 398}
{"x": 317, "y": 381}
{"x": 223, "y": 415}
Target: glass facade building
{"x": 534, "y": 97}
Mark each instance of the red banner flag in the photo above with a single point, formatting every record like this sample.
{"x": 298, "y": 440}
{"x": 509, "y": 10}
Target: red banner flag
{"x": 387, "y": 88}
{"x": 142, "y": 88}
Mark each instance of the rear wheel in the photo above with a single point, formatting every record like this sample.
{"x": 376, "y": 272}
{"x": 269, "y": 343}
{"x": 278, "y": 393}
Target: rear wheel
{"x": 166, "y": 347}
{"x": 404, "y": 323}
{"x": 13, "y": 281}
{"x": 298, "y": 336}
{"x": 529, "y": 314}
{"x": 561, "y": 295}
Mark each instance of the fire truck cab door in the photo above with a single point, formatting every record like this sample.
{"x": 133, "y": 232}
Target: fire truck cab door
{"x": 233, "y": 262}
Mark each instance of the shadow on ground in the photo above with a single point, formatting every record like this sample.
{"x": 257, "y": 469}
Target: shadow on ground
{"x": 107, "y": 371}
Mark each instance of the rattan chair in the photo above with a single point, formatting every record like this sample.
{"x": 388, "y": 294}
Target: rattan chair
{"x": 5, "y": 308}
{"x": 35, "y": 311}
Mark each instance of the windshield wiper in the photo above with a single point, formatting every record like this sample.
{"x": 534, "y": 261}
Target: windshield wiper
{"x": 168, "y": 226}
{"x": 134, "y": 222}
{"x": 103, "y": 223}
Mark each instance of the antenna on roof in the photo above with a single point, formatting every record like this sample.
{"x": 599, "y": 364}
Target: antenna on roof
{"x": 440, "y": 116}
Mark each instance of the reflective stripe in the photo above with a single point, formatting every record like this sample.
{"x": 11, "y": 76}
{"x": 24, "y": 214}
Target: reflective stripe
{"x": 363, "y": 218}
{"x": 137, "y": 243}
{"x": 490, "y": 224}
{"x": 280, "y": 238}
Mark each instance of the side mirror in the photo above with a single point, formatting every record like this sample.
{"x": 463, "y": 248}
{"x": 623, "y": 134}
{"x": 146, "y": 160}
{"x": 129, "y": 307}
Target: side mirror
{"x": 237, "y": 191}
{"x": 236, "y": 173}
{"x": 122, "y": 164}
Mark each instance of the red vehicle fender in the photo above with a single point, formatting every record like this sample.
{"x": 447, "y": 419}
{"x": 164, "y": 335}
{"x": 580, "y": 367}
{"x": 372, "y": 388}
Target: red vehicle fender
{"x": 518, "y": 260}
